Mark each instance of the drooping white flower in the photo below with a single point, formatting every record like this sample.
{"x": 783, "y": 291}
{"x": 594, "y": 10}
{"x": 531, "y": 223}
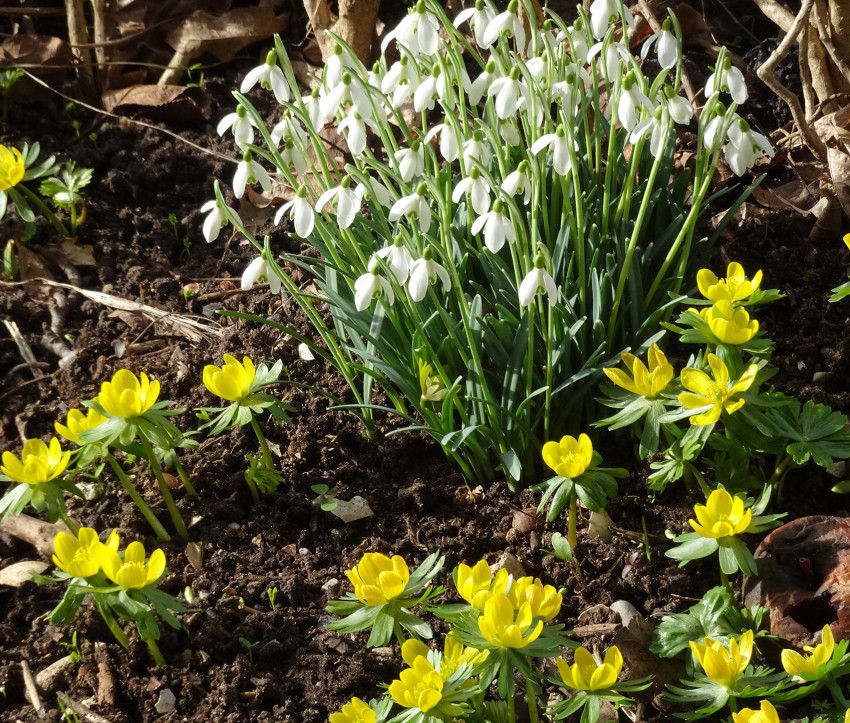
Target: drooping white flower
{"x": 270, "y": 76}
{"x": 657, "y": 126}
{"x": 604, "y": 12}
{"x": 370, "y": 286}
{"x": 293, "y": 157}
{"x": 353, "y": 127}
{"x": 479, "y": 18}
{"x": 579, "y": 42}
{"x": 216, "y": 219}
{"x": 410, "y": 162}
{"x": 476, "y": 148}
{"x": 631, "y": 101}
{"x": 240, "y": 124}
{"x": 478, "y": 188}
{"x": 666, "y": 46}
{"x": 398, "y": 258}
{"x": 730, "y": 80}
{"x": 426, "y": 271}
{"x": 476, "y": 89}
{"x": 679, "y": 107}
{"x": 497, "y": 227}
{"x": 508, "y": 23}
{"x": 538, "y": 281}
{"x": 508, "y": 92}
{"x": 569, "y": 91}
{"x": 745, "y": 146}
{"x": 300, "y": 210}
{"x": 414, "y": 207}
{"x": 314, "y": 109}
{"x": 430, "y": 89}
{"x": 714, "y": 134}
{"x": 559, "y": 144}
{"x": 346, "y": 199}
{"x": 510, "y": 134}
{"x": 418, "y": 32}
{"x": 288, "y": 127}
{"x": 260, "y": 270}
{"x": 614, "y": 54}
{"x": 518, "y": 182}
{"x": 339, "y": 98}
{"x": 249, "y": 171}
{"x": 447, "y": 143}
{"x": 376, "y": 192}
{"x": 334, "y": 67}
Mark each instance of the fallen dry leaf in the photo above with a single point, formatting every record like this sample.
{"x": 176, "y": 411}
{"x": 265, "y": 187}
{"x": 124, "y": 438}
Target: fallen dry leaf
{"x": 18, "y": 573}
{"x": 159, "y": 103}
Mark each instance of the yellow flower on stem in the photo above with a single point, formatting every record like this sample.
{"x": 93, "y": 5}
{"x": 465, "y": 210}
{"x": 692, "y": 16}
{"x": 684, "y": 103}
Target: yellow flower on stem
{"x": 647, "y": 382}
{"x": 38, "y": 463}
{"x": 735, "y": 287}
{"x": 585, "y": 674}
{"x": 766, "y": 714}
{"x": 504, "y": 626}
{"x": 354, "y": 712}
{"x": 728, "y": 324}
{"x": 456, "y": 654}
{"x": 78, "y": 423}
{"x": 717, "y": 393}
{"x": 721, "y": 665}
{"x": 82, "y": 556}
{"x": 805, "y": 667}
{"x": 11, "y": 167}
{"x": 570, "y": 457}
{"x": 233, "y": 380}
{"x": 127, "y": 396}
{"x": 432, "y": 386}
{"x": 544, "y": 600}
{"x": 419, "y": 686}
{"x": 377, "y": 579}
{"x": 473, "y": 583}
{"x": 133, "y": 571}
{"x": 721, "y": 516}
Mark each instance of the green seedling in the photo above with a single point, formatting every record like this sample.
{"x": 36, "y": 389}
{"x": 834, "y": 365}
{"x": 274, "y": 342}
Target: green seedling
{"x": 75, "y": 655}
{"x": 272, "y": 593}
{"x": 249, "y": 648}
{"x": 325, "y": 498}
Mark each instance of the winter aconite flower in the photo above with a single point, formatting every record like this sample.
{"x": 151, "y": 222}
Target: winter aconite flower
{"x": 38, "y": 463}
{"x": 377, "y": 579}
{"x": 354, "y": 712}
{"x": 504, "y": 626}
{"x": 647, "y": 382}
{"x": 807, "y": 667}
{"x": 78, "y": 423}
{"x": 735, "y": 287}
{"x": 127, "y": 396}
{"x": 473, "y": 583}
{"x": 585, "y": 674}
{"x": 729, "y": 324}
{"x": 716, "y": 394}
{"x": 82, "y": 556}
{"x": 765, "y": 714}
{"x": 233, "y": 380}
{"x": 721, "y": 665}
{"x": 721, "y": 516}
{"x": 133, "y": 572}
{"x": 419, "y": 686}
{"x": 543, "y": 600}
{"x": 11, "y": 167}
{"x": 570, "y": 457}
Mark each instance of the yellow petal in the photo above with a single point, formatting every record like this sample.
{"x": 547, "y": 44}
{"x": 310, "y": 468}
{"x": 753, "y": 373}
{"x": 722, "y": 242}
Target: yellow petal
{"x": 697, "y": 381}
{"x": 155, "y": 566}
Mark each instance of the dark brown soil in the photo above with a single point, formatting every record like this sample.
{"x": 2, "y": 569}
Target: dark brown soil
{"x": 299, "y": 671}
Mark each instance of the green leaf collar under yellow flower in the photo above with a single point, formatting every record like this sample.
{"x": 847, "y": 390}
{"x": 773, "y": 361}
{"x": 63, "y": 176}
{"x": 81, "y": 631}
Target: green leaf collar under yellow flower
{"x": 38, "y": 463}
{"x": 570, "y": 457}
{"x": 233, "y": 380}
{"x": 126, "y": 396}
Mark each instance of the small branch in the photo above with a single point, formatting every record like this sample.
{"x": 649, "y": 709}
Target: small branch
{"x": 78, "y": 38}
{"x": 23, "y": 348}
{"x": 31, "y": 689}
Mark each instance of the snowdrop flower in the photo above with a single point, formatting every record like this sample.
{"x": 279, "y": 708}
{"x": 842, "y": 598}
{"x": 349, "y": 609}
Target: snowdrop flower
{"x": 413, "y": 207}
{"x": 656, "y": 126}
{"x": 508, "y": 91}
{"x": 410, "y": 162}
{"x": 347, "y": 201}
{"x": 426, "y": 271}
{"x": 679, "y": 107}
{"x": 216, "y": 219}
{"x": 476, "y": 148}
{"x": 510, "y": 133}
{"x": 314, "y": 109}
{"x": 300, "y": 210}
{"x": 478, "y": 188}
{"x": 370, "y": 286}
{"x": 559, "y": 143}
{"x": 294, "y": 158}
{"x": 398, "y": 258}
{"x": 476, "y": 89}
{"x": 289, "y": 127}
{"x": 579, "y": 42}
{"x": 604, "y": 12}
{"x": 240, "y": 124}
{"x": 448, "y": 141}
{"x": 354, "y": 126}
{"x": 334, "y": 67}
{"x": 479, "y": 18}
{"x": 712, "y": 138}
{"x": 418, "y": 32}
{"x": 570, "y": 91}
{"x": 343, "y": 95}
{"x": 260, "y": 270}
{"x": 538, "y": 281}
{"x": 614, "y": 52}
{"x": 518, "y": 182}
{"x": 744, "y": 147}
{"x": 508, "y": 23}
{"x": 401, "y": 81}
{"x": 270, "y": 76}
{"x": 730, "y": 80}
{"x": 433, "y": 86}
{"x": 497, "y": 227}
{"x": 376, "y": 192}
{"x": 666, "y": 46}
{"x": 249, "y": 171}
{"x": 631, "y": 100}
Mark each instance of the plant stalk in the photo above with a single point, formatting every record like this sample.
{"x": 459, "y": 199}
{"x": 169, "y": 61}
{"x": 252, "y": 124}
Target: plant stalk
{"x": 176, "y": 518}
{"x": 48, "y": 214}
{"x": 147, "y": 512}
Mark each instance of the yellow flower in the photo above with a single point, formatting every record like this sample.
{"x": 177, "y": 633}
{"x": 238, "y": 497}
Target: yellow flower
{"x": 796, "y": 664}
{"x": 38, "y": 463}
{"x": 456, "y": 654}
{"x": 82, "y": 556}
{"x": 544, "y": 600}
{"x": 721, "y": 516}
{"x": 419, "y": 686}
{"x": 735, "y": 287}
{"x": 11, "y": 167}
{"x": 377, "y": 579}
{"x": 570, "y": 457}
{"x": 728, "y": 324}
{"x": 499, "y": 626}
{"x": 721, "y": 665}
{"x": 715, "y": 392}
{"x": 126, "y": 396}
{"x": 232, "y": 381}
{"x": 354, "y": 712}
{"x": 646, "y": 382}
{"x": 847, "y": 244}
{"x": 79, "y": 422}
{"x": 473, "y": 583}
{"x": 766, "y": 714}
{"x": 585, "y": 674}
{"x": 432, "y": 386}
{"x": 133, "y": 571}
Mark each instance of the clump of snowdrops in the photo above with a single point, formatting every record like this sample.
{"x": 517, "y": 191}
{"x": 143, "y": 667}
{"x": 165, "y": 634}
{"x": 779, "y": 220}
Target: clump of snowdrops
{"x": 520, "y": 227}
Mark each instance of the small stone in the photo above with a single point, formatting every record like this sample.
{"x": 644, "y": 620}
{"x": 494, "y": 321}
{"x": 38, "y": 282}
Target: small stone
{"x": 820, "y": 377}
{"x": 625, "y": 610}
{"x": 235, "y": 526}
{"x": 52, "y": 677}
{"x": 332, "y": 583}
{"x": 509, "y": 562}
{"x": 838, "y": 469}
{"x": 91, "y": 491}
{"x": 303, "y": 551}
{"x": 383, "y": 651}
{"x": 166, "y": 701}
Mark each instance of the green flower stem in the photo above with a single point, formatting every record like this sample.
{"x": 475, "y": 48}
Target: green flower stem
{"x": 693, "y": 472}
{"x": 267, "y": 454}
{"x": 399, "y": 635}
{"x": 176, "y": 519}
{"x": 112, "y": 624}
{"x": 155, "y": 652}
{"x": 571, "y": 523}
{"x": 533, "y": 715}
{"x": 511, "y": 707}
{"x": 780, "y": 470}
{"x": 72, "y": 526}
{"x": 146, "y": 511}
{"x": 184, "y": 478}
{"x": 48, "y": 214}
{"x": 724, "y": 579}
{"x": 837, "y": 695}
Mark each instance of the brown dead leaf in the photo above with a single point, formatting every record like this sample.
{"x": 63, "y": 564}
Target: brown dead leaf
{"x": 68, "y": 253}
{"x": 49, "y": 59}
{"x": 839, "y": 169}
{"x": 159, "y": 103}
{"x": 31, "y": 265}
{"x": 18, "y": 573}
{"x": 794, "y": 195}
